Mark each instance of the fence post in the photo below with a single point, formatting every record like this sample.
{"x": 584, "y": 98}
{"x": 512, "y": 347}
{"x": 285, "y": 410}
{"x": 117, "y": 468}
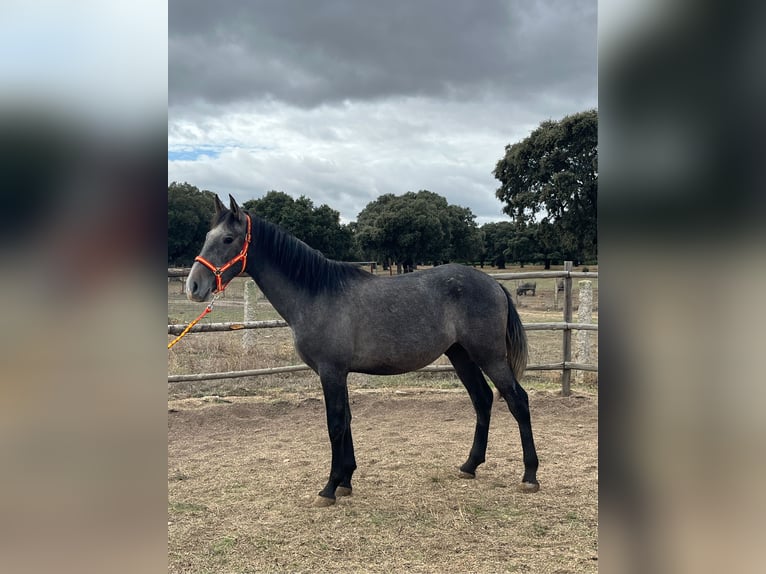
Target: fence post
{"x": 584, "y": 315}
{"x": 567, "y": 346}
{"x": 251, "y": 300}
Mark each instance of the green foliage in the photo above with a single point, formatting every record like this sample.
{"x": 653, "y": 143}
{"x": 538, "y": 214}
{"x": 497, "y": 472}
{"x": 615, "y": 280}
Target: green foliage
{"x": 506, "y": 241}
{"x": 417, "y": 227}
{"x": 464, "y": 236}
{"x": 318, "y": 227}
{"x": 550, "y": 181}
{"x": 189, "y": 213}
{"x": 521, "y": 247}
{"x": 548, "y": 243}
{"x": 497, "y": 238}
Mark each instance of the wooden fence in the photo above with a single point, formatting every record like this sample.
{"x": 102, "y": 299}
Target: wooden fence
{"x": 566, "y": 365}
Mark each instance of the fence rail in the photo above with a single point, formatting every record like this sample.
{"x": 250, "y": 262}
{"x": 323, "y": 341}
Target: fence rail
{"x": 546, "y": 275}
{"x": 294, "y": 368}
{"x": 566, "y": 366}
{"x": 239, "y": 325}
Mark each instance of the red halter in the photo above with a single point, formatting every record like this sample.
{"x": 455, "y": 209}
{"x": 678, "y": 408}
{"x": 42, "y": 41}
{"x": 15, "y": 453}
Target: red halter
{"x": 218, "y": 271}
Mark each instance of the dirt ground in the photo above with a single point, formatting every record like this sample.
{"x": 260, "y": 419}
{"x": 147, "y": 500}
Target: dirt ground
{"x": 243, "y": 471}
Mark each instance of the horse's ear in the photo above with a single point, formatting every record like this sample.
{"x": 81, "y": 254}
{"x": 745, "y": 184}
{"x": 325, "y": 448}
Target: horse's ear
{"x": 233, "y": 206}
{"x": 219, "y": 207}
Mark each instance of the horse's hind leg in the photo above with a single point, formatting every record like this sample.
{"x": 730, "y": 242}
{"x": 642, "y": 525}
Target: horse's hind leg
{"x": 518, "y": 403}
{"x": 481, "y": 396}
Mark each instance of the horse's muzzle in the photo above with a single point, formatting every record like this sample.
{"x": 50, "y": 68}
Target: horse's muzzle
{"x": 198, "y": 285}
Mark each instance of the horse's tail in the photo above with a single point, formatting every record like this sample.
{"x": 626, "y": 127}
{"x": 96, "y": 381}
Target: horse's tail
{"x": 515, "y": 340}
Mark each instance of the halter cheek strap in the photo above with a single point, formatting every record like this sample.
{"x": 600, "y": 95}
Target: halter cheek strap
{"x": 218, "y": 271}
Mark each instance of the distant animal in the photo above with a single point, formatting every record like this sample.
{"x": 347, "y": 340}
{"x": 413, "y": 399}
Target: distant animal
{"x": 451, "y": 309}
{"x": 524, "y": 288}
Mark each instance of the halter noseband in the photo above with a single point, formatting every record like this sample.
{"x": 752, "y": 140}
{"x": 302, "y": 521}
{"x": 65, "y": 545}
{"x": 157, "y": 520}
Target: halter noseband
{"x": 218, "y": 271}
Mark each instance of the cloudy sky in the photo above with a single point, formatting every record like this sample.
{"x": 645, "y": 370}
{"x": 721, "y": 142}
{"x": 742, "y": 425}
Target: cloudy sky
{"x": 343, "y": 100}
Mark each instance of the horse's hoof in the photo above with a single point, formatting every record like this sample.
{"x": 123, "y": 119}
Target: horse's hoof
{"x": 323, "y": 501}
{"x": 528, "y": 487}
{"x": 464, "y": 474}
{"x": 343, "y": 491}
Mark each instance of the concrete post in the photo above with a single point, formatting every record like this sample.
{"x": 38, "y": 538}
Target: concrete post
{"x": 582, "y": 340}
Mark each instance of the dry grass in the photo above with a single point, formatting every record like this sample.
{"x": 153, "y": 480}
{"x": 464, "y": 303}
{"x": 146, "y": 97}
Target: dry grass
{"x": 242, "y": 475}
{"x": 247, "y": 456}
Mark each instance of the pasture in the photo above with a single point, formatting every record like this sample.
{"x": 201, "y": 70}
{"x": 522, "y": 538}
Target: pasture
{"x": 246, "y": 458}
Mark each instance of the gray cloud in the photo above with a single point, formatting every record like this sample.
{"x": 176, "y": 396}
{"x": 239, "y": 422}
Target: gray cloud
{"x": 347, "y": 155}
{"x": 343, "y": 101}
{"x": 335, "y": 50}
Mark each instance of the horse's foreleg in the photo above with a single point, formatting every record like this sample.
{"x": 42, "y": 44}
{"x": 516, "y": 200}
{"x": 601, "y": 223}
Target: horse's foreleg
{"x": 344, "y": 487}
{"x": 339, "y": 429}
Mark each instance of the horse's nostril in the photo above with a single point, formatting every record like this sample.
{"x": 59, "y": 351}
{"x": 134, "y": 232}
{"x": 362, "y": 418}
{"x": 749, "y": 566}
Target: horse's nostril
{"x": 194, "y": 287}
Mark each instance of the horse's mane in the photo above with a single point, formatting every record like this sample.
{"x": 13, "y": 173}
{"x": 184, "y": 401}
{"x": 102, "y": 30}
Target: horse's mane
{"x": 308, "y": 268}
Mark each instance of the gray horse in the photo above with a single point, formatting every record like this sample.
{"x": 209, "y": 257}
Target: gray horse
{"x": 451, "y": 309}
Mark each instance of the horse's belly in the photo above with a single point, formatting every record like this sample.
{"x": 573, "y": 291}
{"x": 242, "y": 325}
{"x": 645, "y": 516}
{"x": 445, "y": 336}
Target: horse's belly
{"x": 393, "y": 357}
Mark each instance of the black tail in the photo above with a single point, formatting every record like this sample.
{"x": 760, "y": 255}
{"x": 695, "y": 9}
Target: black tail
{"x": 515, "y": 340}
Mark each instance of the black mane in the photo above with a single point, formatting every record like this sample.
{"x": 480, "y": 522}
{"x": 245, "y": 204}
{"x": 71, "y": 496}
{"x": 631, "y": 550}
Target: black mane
{"x": 306, "y": 267}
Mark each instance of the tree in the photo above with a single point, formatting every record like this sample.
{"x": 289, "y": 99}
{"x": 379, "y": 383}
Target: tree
{"x": 319, "y": 227}
{"x": 507, "y": 241}
{"x": 190, "y": 212}
{"x": 547, "y": 246}
{"x": 551, "y": 178}
{"x": 464, "y": 237}
{"x": 497, "y": 238}
{"x": 522, "y": 245}
{"x": 416, "y": 227}
{"x": 372, "y": 240}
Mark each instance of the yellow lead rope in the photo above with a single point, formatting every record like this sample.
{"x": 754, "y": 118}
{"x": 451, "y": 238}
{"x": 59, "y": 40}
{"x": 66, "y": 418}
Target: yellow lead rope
{"x": 197, "y": 320}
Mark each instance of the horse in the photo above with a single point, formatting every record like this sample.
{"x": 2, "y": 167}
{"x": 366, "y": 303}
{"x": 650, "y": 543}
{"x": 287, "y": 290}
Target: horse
{"x": 451, "y": 309}
{"x": 525, "y": 287}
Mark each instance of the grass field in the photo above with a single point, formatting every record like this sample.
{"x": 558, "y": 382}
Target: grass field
{"x": 247, "y": 456}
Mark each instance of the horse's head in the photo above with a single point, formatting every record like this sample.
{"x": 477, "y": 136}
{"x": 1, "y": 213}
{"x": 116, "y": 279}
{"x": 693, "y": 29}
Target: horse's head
{"x": 224, "y": 253}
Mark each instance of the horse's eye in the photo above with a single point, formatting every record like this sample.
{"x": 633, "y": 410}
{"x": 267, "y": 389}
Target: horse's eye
{"x": 228, "y": 240}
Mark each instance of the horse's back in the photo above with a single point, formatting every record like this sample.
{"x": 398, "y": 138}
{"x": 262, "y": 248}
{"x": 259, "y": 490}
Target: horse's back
{"x": 429, "y": 310}
{"x": 450, "y": 286}
{"x": 465, "y": 290}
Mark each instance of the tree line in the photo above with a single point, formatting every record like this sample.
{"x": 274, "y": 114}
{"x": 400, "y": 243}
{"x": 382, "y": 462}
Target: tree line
{"x": 548, "y": 184}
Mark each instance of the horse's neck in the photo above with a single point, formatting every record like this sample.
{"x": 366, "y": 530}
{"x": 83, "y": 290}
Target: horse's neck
{"x": 284, "y": 296}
